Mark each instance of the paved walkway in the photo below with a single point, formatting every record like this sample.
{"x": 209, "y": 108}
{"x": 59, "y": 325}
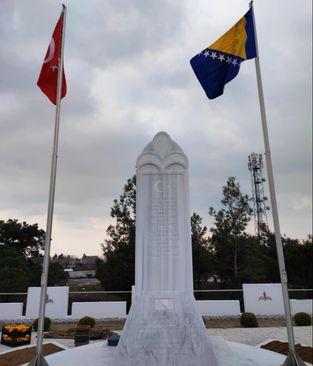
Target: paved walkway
{"x": 256, "y": 336}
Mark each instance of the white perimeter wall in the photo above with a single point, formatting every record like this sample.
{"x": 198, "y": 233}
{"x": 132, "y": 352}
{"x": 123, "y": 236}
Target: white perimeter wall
{"x": 11, "y": 310}
{"x": 301, "y": 305}
{"x": 56, "y": 306}
{"x": 100, "y": 309}
{"x": 263, "y": 298}
{"x": 219, "y": 307}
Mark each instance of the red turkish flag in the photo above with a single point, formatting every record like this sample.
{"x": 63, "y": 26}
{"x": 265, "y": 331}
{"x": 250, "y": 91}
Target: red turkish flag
{"x": 48, "y": 78}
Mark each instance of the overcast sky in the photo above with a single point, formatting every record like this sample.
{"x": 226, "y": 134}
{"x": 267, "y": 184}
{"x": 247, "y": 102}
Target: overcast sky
{"x": 128, "y": 75}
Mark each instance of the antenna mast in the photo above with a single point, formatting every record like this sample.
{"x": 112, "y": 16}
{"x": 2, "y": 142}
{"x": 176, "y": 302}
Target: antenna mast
{"x": 260, "y": 208}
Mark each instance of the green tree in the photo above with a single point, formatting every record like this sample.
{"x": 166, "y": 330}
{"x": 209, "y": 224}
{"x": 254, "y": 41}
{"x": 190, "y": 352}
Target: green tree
{"x": 251, "y": 261}
{"x": 13, "y": 270}
{"x": 10, "y": 257}
{"x": 202, "y": 256}
{"x": 13, "y": 279}
{"x": 20, "y": 244}
{"x": 299, "y": 262}
{"x": 269, "y": 255}
{"x": 117, "y": 270}
{"x": 34, "y": 273}
{"x": 25, "y": 238}
{"x": 57, "y": 276}
{"x": 228, "y": 236}
{"x": 298, "y": 259}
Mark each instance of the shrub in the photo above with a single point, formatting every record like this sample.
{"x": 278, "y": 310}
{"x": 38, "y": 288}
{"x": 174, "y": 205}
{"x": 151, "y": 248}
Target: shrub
{"x": 87, "y": 320}
{"x": 46, "y": 327}
{"x": 302, "y": 319}
{"x": 248, "y": 320}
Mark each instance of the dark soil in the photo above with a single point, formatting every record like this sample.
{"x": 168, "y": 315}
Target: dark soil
{"x": 101, "y": 330}
{"x": 69, "y": 333}
{"x": 305, "y": 353}
{"x": 22, "y": 356}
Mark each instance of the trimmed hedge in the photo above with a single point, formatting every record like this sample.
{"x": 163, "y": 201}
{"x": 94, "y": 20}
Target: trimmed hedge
{"x": 87, "y": 320}
{"x": 47, "y": 324}
{"x": 302, "y": 319}
{"x": 248, "y": 320}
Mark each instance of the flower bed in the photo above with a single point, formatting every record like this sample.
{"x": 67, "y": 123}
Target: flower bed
{"x": 22, "y": 356}
{"x": 14, "y": 335}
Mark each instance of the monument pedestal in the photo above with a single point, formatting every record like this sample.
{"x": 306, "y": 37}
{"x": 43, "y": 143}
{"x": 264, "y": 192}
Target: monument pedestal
{"x": 228, "y": 354}
{"x": 164, "y": 331}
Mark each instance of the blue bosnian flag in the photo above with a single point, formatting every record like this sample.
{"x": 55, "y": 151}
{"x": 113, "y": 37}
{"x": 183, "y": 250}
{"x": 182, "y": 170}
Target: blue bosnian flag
{"x": 219, "y": 63}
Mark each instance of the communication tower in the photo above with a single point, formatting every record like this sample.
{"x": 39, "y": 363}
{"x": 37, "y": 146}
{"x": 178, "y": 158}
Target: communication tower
{"x": 260, "y": 207}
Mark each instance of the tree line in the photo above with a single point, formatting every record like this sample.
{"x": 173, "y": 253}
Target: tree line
{"x": 21, "y": 246}
{"x": 223, "y": 257}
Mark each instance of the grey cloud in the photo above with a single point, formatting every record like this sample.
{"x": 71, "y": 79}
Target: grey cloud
{"x": 128, "y": 72}
{"x": 122, "y": 30}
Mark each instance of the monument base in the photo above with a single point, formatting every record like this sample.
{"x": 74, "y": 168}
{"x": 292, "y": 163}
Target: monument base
{"x": 100, "y": 354}
{"x": 166, "y": 331}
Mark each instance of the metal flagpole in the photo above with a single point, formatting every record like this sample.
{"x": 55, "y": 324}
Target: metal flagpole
{"x": 293, "y": 358}
{"x": 39, "y": 359}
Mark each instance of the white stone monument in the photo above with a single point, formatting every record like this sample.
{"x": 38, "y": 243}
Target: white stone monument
{"x": 164, "y": 326}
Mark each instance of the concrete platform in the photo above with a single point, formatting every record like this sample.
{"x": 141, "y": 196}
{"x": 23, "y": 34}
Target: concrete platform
{"x": 99, "y": 354}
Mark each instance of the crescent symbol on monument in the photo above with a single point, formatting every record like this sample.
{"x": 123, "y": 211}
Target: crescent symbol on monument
{"x": 158, "y": 186}
{"x": 51, "y": 51}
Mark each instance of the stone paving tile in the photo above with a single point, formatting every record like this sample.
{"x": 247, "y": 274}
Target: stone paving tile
{"x": 255, "y": 336}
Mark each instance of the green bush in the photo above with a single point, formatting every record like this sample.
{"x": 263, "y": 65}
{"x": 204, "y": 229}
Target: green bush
{"x": 46, "y": 327}
{"x": 248, "y": 320}
{"x": 302, "y": 319}
{"x": 87, "y": 320}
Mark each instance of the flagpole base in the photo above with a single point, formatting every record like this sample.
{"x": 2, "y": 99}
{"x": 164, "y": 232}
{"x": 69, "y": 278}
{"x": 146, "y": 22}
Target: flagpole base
{"x": 293, "y": 359}
{"x": 38, "y": 361}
